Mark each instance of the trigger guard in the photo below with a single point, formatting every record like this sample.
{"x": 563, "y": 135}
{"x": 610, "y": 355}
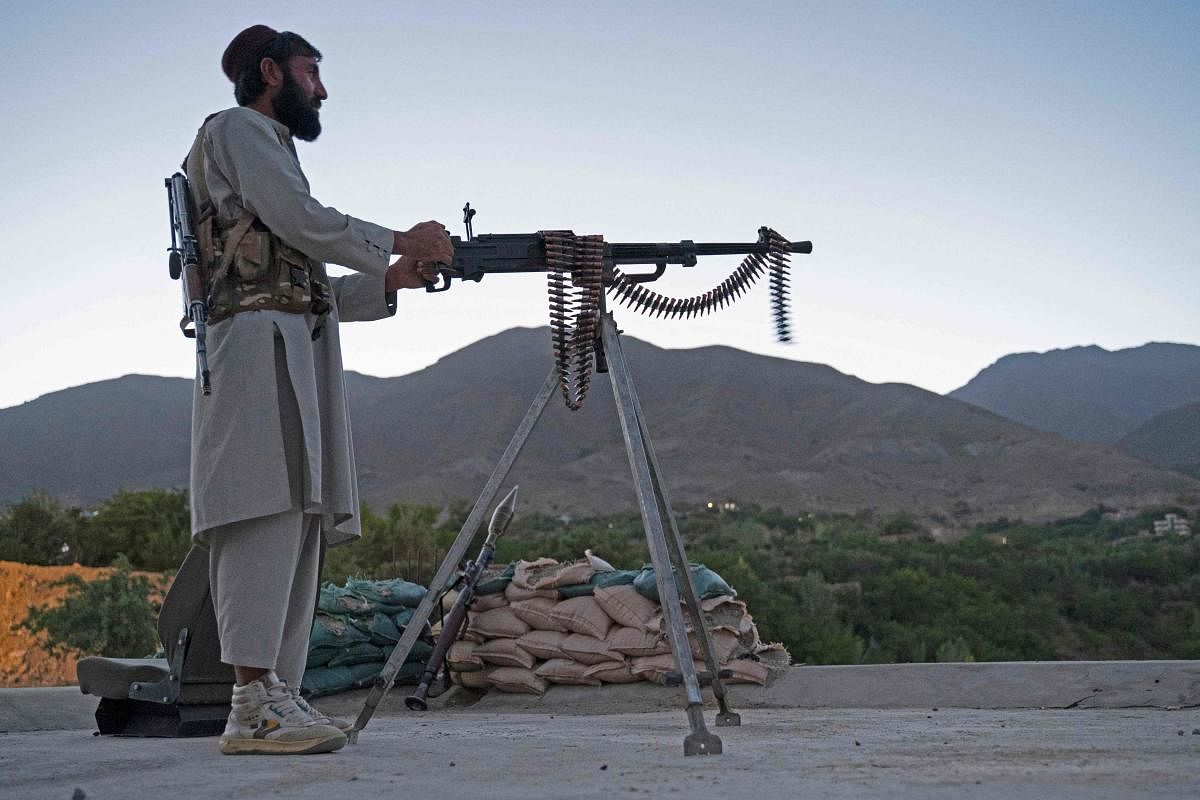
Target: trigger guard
{"x": 433, "y": 287}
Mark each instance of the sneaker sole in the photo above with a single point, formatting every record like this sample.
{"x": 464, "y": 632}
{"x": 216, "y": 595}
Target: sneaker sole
{"x": 272, "y": 747}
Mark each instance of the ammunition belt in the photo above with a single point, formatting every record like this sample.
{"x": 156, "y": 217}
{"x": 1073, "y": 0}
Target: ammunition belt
{"x": 634, "y": 294}
{"x": 575, "y": 280}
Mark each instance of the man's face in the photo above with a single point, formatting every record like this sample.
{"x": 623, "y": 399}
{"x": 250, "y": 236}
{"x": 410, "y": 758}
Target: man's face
{"x": 299, "y": 98}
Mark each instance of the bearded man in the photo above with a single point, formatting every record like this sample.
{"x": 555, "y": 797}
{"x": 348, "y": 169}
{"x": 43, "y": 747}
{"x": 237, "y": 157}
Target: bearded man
{"x": 272, "y": 465}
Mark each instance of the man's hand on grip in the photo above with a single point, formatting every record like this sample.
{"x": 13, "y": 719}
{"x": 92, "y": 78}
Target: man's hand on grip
{"x": 425, "y": 241}
{"x": 407, "y": 272}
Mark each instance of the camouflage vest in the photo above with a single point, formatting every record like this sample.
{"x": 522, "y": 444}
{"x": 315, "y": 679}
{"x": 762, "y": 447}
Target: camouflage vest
{"x": 246, "y": 266}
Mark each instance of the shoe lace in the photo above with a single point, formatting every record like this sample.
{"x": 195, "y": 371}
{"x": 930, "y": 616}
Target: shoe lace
{"x": 280, "y": 701}
{"x": 303, "y": 705}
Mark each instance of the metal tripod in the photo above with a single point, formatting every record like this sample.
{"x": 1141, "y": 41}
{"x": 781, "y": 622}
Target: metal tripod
{"x": 662, "y": 535}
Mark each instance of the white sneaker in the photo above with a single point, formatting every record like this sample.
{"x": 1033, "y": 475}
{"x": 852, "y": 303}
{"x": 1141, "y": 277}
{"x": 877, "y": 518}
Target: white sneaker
{"x": 265, "y": 719}
{"x": 319, "y": 716}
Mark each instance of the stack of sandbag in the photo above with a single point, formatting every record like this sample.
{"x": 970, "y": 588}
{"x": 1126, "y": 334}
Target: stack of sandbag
{"x": 585, "y": 623}
{"x": 356, "y": 628}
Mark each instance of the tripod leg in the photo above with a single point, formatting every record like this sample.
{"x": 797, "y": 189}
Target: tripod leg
{"x": 700, "y": 741}
{"x": 454, "y": 555}
{"x": 691, "y": 597}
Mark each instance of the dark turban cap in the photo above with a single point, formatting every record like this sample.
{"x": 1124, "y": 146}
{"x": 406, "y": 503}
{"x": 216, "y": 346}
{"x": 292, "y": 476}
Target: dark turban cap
{"x": 245, "y": 49}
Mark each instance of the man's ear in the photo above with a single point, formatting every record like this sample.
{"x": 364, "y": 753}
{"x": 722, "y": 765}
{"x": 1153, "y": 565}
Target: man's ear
{"x": 272, "y": 75}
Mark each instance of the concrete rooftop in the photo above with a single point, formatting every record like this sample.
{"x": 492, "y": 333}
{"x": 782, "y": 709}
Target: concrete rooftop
{"x": 1086, "y": 730}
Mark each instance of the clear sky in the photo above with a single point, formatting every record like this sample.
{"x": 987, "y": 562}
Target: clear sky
{"x": 978, "y": 178}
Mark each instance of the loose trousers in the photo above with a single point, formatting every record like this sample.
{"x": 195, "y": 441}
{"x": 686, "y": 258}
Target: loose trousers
{"x": 264, "y": 572}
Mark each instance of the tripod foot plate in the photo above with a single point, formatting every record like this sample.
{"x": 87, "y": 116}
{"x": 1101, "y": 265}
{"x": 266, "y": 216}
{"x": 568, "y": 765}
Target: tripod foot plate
{"x": 702, "y": 743}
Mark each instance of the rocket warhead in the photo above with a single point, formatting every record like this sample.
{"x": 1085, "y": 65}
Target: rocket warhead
{"x": 503, "y": 515}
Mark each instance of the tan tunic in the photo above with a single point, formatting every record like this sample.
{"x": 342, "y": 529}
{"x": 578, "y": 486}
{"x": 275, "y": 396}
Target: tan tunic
{"x": 238, "y": 464}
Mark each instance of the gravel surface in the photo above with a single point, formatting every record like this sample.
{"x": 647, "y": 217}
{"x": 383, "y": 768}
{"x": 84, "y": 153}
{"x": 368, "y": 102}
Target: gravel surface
{"x": 782, "y": 753}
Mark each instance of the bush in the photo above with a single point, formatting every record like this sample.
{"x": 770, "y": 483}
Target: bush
{"x": 37, "y": 530}
{"x": 111, "y": 616}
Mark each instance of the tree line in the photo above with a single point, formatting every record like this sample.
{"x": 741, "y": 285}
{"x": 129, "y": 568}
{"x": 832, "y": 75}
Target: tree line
{"x": 835, "y": 589}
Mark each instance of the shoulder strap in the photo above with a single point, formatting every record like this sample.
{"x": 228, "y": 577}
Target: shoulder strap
{"x": 193, "y": 167}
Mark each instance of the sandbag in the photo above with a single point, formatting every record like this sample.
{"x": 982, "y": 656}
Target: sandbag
{"x": 620, "y": 577}
{"x": 588, "y": 649}
{"x": 774, "y": 656}
{"x": 746, "y": 671}
{"x": 546, "y": 573}
{"x": 460, "y": 656}
{"x": 653, "y": 668}
{"x": 516, "y": 679}
{"x": 336, "y": 632}
{"x": 361, "y": 653}
{"x": 494, "y": 584}
{"x": 535, "y": 613}
{"x": 582, "y": 615}
{"x": 338, "y": 600}
{"x": 330, "y": 680}
{"x": 636, "y": 642}
{"x": 543, "y": 644}
{"x": 707, "y": 583}
{"x": 566, "y": 671}
{"x": 504, "y": 653}
{"x": 725, "y": 645}
{"x": 387, "y": 593}
{"x": 612, "y": 672}
{"x": 626, "y": 606}
{"x": 381, "y": 628}
{"x": 477, "y": 679}
{"x": 515, "y": 594}
{"x": 489, "y": 601}
{"x": 499, "y": 623}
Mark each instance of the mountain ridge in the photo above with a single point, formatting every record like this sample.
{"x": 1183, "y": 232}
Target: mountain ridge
{"x": 727, "y": 425}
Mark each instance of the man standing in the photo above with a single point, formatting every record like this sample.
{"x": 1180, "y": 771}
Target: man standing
{"x": 272, "y": 464}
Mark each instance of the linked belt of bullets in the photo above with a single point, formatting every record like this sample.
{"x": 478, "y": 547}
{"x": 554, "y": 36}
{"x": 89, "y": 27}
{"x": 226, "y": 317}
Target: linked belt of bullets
{"x": 574, "y": 308}
{"x": 575, "y": 280}
{"x": 776, "y": 261}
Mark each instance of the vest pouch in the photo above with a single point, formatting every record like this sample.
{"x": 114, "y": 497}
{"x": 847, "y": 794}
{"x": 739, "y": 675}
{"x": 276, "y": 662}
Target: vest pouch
{"x": 252, "y": 260}
{"x": 293, "y": 285}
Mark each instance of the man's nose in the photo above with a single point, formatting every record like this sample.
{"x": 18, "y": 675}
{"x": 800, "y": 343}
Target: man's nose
{"x": 320, "y": 92}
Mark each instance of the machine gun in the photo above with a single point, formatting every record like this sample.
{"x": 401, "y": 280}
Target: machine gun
{"x": 581, "y": 269}
{"x": 453, "y": 623}
{"x": 185, "y": 262}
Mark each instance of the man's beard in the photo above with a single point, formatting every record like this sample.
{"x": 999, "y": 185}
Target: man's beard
{"x": 296, "y": 111}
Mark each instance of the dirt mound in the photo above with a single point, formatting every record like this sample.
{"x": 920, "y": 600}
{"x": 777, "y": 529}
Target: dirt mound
{"x": 23, "y": 658}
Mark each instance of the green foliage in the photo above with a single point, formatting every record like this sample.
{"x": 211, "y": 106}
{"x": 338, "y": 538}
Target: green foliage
{"x": 111, "y": 616}
{"x": 389, "y": 545}
{"x": 835, "y": 589}
{"x": 37, "y": 530}
{"x": 151, "y": 528}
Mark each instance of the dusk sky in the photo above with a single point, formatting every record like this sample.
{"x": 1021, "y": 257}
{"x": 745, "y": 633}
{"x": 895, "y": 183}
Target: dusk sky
{"x": 977, "y": 178}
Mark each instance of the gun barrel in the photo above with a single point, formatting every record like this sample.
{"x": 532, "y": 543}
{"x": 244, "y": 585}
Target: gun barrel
{"x": 674, "y": 252}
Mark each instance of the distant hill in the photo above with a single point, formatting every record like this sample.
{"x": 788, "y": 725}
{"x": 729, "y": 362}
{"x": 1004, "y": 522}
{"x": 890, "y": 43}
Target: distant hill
{"x": 1088, "y": 394}
{"x": 83, "y": 444}
{"x": 1170, "y": 439}
{"x": 727, "y": 425}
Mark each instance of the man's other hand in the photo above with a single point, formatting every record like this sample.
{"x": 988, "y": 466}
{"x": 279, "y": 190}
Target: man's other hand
{"x": 425, "y": 241}
{"x": 409, "y": 273}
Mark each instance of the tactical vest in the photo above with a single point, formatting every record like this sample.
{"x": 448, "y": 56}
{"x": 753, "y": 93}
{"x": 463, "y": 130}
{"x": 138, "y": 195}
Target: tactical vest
{"x": 246, "y": 266}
